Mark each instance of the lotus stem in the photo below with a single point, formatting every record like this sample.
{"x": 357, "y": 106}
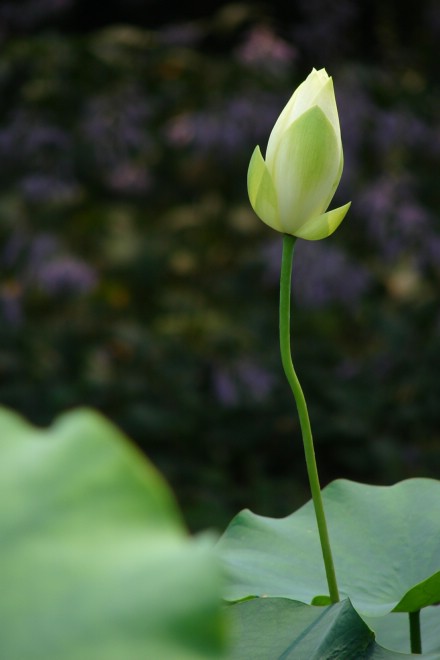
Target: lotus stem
{"x": 312, "y": 470}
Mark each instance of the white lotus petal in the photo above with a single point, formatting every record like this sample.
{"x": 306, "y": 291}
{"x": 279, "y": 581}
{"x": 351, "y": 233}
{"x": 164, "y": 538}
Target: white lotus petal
{"x": 261, "y": 191}
{"x": 325, "y": 99}
{"x": 305, "y": 169}
{"x": 300, "y": 101}
{"x": 292, "y": 188}
{"x": 323, "y": 225}
{"x": 309, "y": 91}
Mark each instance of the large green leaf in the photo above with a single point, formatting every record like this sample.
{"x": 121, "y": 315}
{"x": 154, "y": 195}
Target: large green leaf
{"x": 385, "y": 539}
{"x": 278, "y": 628}
{"x": 392, "y": 630}
{"x": 94, "y": 559}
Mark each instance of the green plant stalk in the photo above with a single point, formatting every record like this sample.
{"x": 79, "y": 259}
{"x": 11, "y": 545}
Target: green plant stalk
{"x": 286, "y": 358}
{"x": 415, "y": 634}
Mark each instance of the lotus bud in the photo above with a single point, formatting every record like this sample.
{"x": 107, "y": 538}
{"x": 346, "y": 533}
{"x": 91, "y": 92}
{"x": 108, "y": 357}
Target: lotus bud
{"x": 292, "y": 188}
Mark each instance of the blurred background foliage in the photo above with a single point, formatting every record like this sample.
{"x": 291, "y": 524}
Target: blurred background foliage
{"x": 135, "y": 278}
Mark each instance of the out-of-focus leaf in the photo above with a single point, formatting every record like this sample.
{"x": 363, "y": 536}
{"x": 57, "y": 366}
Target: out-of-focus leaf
{"x": 94, "y": 559}
{"x": 392, "y": 631}
{"x": 274, "y": 628}
{"x": 385, "y": 540}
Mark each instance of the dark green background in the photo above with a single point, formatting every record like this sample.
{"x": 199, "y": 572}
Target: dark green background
{"x": 136, "y": 279}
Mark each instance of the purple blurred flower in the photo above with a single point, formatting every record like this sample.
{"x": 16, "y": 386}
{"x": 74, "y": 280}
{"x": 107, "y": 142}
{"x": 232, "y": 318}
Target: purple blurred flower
{"x": 40, "y": 263}
{"x": 40, "y": 249}
{"x": 53, "y": 272}
{"x": 28, "y": 139}
{"x": 228, "y": 126}
{"x": 394, "y": 219}
{"x": 244, "y": 380}
{"x": 41, "y": 187}
{"x": 66, "y": 275}
{"x": 40, "y": 136}
{"x": 116, "y": 125}
{"x": 28, "y": 253}
{"x": 257, "y": 380}
{"x": 41, "y": 154}
{"x": 325, "y": 274}
{"x": 225, "y": 388}
{"x": 263, "y": 49}
{"x": 399, "y": 128}
{"x": 129, "y": 178}
{"x": 322, "y": 274}
{"x": 413, "y": 219}
{"x": 377, "y": 202}
{"x": 121, "y": 143}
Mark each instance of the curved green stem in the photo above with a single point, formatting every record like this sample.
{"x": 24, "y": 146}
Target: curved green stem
{"x": 415, "y": 633}
{"x": 312, "y": 470}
